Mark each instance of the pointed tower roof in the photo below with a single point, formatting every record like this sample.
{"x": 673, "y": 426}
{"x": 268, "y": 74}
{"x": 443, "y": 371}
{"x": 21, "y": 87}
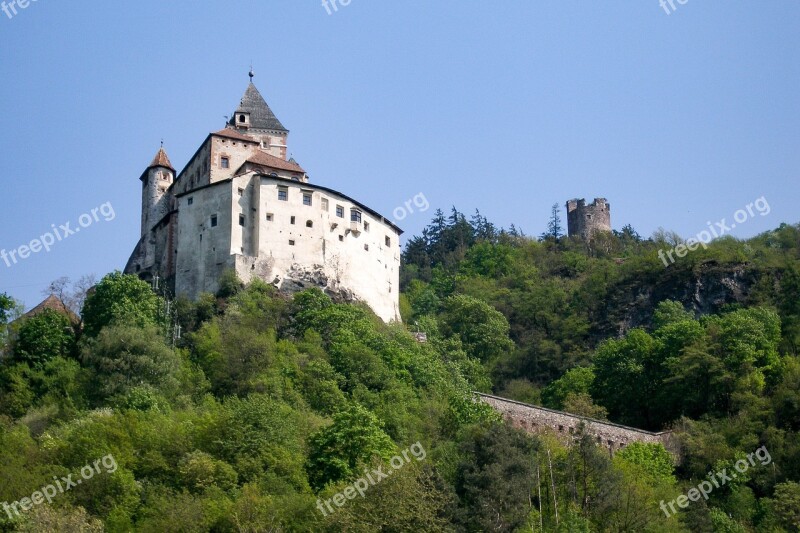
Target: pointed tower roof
{"x": 261, "y": 116}
{"x": 161, "y": 160}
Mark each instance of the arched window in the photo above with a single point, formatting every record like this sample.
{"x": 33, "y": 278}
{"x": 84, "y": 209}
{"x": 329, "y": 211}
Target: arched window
{"x": 241, "y": 118}
{"x": 309, "y": 224}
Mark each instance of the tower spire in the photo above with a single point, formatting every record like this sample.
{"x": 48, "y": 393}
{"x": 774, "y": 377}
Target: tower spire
{"x": 251, "y": 73}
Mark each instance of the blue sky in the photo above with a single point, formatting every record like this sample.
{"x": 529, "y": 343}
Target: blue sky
{"x": 507, "y": 107}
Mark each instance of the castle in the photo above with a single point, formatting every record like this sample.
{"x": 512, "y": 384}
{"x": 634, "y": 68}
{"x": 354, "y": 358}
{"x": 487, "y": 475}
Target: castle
{"x": 240, "y": 204}
{"x": 585, "y": 220}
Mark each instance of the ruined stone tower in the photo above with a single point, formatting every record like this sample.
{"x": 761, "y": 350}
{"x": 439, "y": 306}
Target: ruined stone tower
{"x": 584, "y": 220}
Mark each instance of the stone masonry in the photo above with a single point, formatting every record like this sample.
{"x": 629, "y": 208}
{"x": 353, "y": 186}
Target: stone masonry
{"x": 536, "y": 420}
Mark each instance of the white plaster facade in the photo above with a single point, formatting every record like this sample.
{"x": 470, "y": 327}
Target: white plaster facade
{"x": 239, "y": 204}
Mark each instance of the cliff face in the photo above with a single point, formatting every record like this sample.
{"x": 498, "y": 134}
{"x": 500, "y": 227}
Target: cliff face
{"x": 706, "y": 289}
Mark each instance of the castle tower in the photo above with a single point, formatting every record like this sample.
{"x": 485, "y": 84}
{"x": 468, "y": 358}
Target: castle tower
{"x": 156, "y": 179}
{"x": 254, "y": 117}
{"x": 584, "y": 220}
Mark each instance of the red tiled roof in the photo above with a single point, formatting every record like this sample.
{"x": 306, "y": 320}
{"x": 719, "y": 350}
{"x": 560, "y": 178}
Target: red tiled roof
{"x": 161, "y": 160}
{"x": 53, "y": 303}
{"x": 263, "y": 158}
{"x": 233, "y": 134}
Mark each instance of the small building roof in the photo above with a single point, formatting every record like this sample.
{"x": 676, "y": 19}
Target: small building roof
{"x": 53, "y": 303}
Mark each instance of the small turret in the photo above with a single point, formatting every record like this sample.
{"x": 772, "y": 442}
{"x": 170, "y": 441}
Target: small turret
{"x": 156, "y": 180}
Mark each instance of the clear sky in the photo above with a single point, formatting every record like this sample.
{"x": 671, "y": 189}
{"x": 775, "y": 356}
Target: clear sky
{"x": 509, "y": 107}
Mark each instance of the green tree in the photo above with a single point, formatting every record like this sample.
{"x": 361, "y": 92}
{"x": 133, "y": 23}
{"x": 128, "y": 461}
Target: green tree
{"x": 200, "y": 471}
{"x": 44, "y": 336}
{"x": 125, "y": 357}
{"x": 581, "y": 404}
{"x": 121, "y": 299}
{"x": 229, "y": 284}
{"x": 47, "y": 518}
{"x": 16, "y": 394}
{"x": 652, "y": 458}
{"x": 411, "y": 499}
{"x": 9, "y": 309}
{"x": 340, "y": 450}
{"x": 786, "y": 505}
{"x": 493, "y": 478}
{"x": 483, "y": 330}
{"x": 263, "y": 439}
{"x": 576, "y": 380}
{"x": 7, "y": 305}
{"x": 670, "y": 312}
{"x": 554, "y": 228}
{"x": 624, "y": 382}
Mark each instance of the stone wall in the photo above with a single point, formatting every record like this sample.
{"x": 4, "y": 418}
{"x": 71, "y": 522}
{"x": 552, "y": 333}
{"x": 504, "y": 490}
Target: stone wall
{"x": 535, "y": 419}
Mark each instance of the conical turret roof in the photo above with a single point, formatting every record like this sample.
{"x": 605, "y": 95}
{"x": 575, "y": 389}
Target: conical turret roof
{"x": 161, "y": 160}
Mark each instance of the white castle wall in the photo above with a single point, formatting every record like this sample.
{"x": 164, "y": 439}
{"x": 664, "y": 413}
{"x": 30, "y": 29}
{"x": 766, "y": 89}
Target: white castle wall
{"x": 334, "y": 253}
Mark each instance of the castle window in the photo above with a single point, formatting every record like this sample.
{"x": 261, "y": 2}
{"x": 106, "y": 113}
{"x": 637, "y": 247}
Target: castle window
{"x": 340, "y": 211}
{"x": 309, "y": 224}
{"x": 241, "y": 118}
{"x": 291, "y": 243}
{"x": 306, "y": 198}
{"x": 269, "y": 217}
{"x": 291, "y": 220}
{"x": 283, "y": 194}
{"x": 324, "y": 204}
{"x": 241, "y": 191}
{"x": 213, "y": 221}
{"x": 388, "y": 242}
{"x": 366, "y": 247}
{"x": 366, "y": 226}
{"x": 341, "y": 238}
{"x": 241, "y": 220}
{"x": 190, "y": 201}
{"x": 225, "y": 162}
{"x": 355, "y": 215}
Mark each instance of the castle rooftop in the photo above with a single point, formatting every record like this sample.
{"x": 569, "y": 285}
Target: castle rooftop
{"x": 261, "y": 116}
{"x": 161, "y": 160}
{"x": 263, "y": 158}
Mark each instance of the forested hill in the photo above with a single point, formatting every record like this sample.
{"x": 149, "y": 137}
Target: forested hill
{"x": 563, "y": 296}
{"x": 252, "y": 411}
